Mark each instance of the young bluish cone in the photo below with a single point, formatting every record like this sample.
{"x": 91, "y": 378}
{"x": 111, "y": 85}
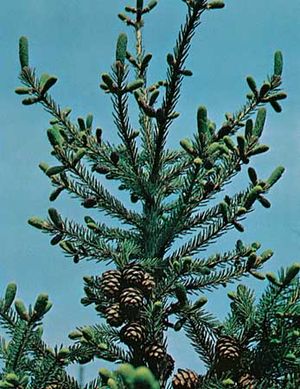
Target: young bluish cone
{"x": 23, "y": 52}
{"x": 121, "y": 48}
{"x": 10, "y": 294}
{"x": 278, "y": 63}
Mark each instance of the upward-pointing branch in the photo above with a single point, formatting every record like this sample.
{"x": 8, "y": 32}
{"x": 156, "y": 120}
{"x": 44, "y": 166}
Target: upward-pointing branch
{"x": 174, "y": 80}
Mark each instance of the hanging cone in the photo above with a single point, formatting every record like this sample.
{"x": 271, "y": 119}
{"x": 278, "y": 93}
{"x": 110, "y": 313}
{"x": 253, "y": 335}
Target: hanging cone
{"x": 155, "y": 354}
{"x": 227, "y": 352}
{"x": 133, "y": 334}
{"x": 114, "y": 315}
{"x": 247, "y": 381}
{"x": 169, "y": 366}
{"x": 133, "y": 274}
{"x": 131, "y": 301}
{"x": 148, "y": 284}
{"x": 110, "y": 283}
{"x": 185, "y": 379}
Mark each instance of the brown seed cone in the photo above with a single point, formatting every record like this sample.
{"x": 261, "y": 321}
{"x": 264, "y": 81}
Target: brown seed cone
{"x": 148, "y": 284}
{"x": 133, "y": 274}
{"x": 114, "y": 316}
{"x": 155, "y": 354}
{"x": 133, "y": 334}
{"x": 110, "y": 283}
{"x": 170, "y": 364}
{"x": 227, "y": 348}
{"x": 185, "y": 379}
{"x": 247, "y": 381}
{"x": 131, "y": 301}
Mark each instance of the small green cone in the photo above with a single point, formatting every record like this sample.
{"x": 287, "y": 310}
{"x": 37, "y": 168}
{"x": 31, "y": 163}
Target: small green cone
{"x": 271, "y": 277}
{"x": 52, "y": 171}
{"x": 21, "y": 310}
{"x": 200, "y": 302}
{"x": 78, "y": 156}
{"x": 264, "y": 89}
{"x": 140, "y": 4}
{"x": 126, "y": 371}
{"x": 23, "y": 51}
{"x": 87, "y": 333}
{"x": 170, "y": 59}
{"x": 132, "y": 86}
{"x": 252, "y": 85}
{"x": 143, "y": 378}
{"x": 229, "y": 142}
{"x": 43, "y": 166}
{"x": 41, "y": 304}
{"x": 54, "y": 136}
{"x": 228, "y": 382}
{"x": 202, "y": 122}
{"x": 10, "y": 294}
{"x": 12, "y": 378}
{"x": 38, "y": 223}
{"x": 238, "y": 226}
{"x": 180, "y": 292}
{"x": 121, "y": 48}
{"x": 30, "y": 100}
{"x": 68, "y": 247}
{"x": 152, "y": 4}
{"x": 276, "y": 106}
{"x": 112, "y": 383}
{"x": 278, "y": 63}
{"x": 105, "y": 374}
{"x": 241, "y": 141}
{"x": 264, "y": 202}
{"x": 276, "y": 97}
{"x": 275, "y": 176}
{"x": 54, "y": 195}
{"x": 153, "y": 97}
{"x": 252, "y": 196}
{"x": 260, "y": 149}
{"x": 145, "y": 61}
{"x": 267, "y": 254}
{"x": 249, "y": 128}
{"x": 216, "y": 4}
{"x": 187, "y": 146}
{"x": 260, "y": 122}
{"x": 291, "y": 273}
{"x": 22, "y": 90}
{"x": 107, "y": 80}
{"x": 224, "y": 210}
{"x": 252, "y": 175}
{"x": 46, "y": 82}
{"x": 56, "y": 218}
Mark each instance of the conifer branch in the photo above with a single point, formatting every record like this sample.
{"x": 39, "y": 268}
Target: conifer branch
{"x": 120, "y": 104}
{"x": 174, "y": 80}
{"x": 146, "y": 123}
{"x": 254, "y": 101}
{"x": 216, "y": 278}
{"x": 87, "y": 243}
{"x": 89, "y": 186}
{"x": 201, "y": 329}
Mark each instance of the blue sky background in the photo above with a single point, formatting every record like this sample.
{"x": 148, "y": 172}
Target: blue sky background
{"x": 76, "y": 41}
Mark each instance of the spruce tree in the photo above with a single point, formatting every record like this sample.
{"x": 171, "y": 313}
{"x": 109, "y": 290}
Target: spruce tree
{"x": 151, "y": 288}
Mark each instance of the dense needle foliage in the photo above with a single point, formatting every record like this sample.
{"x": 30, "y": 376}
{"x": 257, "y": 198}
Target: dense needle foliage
{"x": 151, "y": 287}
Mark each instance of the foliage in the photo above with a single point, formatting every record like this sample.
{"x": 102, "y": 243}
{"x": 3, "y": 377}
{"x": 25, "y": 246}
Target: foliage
{"x": 150, "y": 288}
